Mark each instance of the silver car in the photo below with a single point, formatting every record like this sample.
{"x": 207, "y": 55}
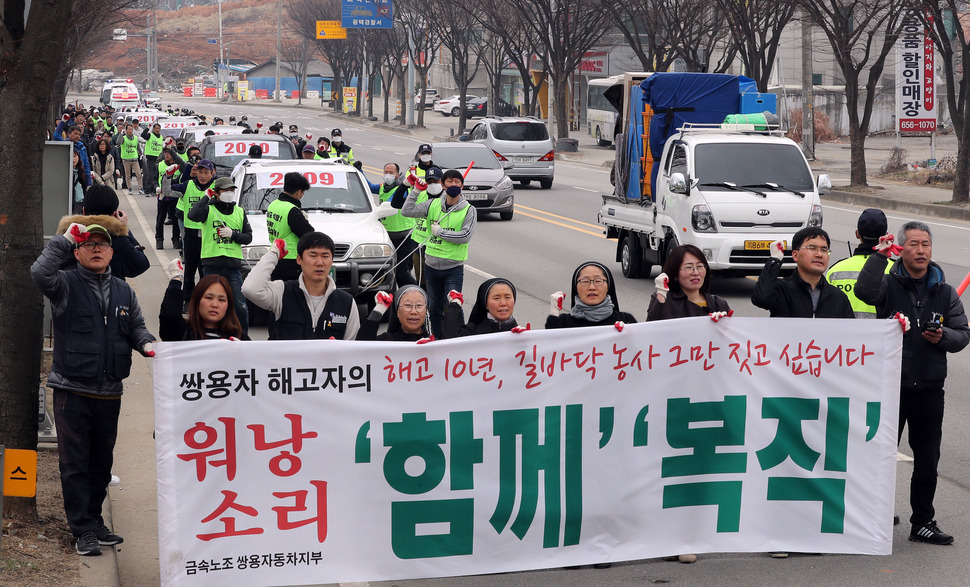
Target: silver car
{"x": 486, "y": 185}
{"x": 521, "y": 144}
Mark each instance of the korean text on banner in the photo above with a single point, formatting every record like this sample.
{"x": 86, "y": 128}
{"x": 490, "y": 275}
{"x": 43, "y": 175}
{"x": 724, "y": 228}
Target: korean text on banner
{"x": 336, "y": 461}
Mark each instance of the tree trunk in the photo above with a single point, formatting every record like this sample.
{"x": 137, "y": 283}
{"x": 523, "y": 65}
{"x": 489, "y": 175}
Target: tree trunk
{"x": 961, "y": 181}
{"x": 402, "y": 97}
{"x": 857, "y": 150}
{"x": 561, "y": 84}
{"x": 29, "y": 60}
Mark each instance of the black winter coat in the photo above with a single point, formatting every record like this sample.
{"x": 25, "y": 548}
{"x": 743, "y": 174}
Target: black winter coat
{"x": 791, "y": 297}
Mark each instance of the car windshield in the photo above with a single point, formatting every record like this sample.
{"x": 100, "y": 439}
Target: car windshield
{"x": 352, "y": 197}
{"x": 520, "y": 131}
{"x": 226, "y": 153}
{"x": 459, "y": 158}
{"x": 744, "y": 164}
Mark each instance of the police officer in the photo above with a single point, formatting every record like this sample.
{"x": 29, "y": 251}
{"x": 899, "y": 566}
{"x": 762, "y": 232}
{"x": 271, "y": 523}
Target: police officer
{"x": 338, "y": 148}
{"x": 871, "y": 225}
{"x": 225, "y": 229}
{"x": 285, "y": 220}
{"x": 424, "y": 161}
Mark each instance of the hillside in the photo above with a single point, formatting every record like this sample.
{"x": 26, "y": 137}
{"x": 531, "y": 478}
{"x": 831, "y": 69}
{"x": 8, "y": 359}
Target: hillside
{"x": 248, "y": 31}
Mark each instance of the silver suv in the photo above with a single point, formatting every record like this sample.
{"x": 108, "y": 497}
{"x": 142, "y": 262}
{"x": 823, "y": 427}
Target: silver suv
{"x": 521, "y": 144}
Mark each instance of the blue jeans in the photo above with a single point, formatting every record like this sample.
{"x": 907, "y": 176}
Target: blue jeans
{"x": 439, "y": 283}
{"x": 234, "y": 276}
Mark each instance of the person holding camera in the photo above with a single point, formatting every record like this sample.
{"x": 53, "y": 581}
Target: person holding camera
{"x": 934, "y": 324}
{"x": 225, "y": 229}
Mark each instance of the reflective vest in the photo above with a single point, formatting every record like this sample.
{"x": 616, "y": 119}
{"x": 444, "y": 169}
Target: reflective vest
{"x": 192, "y": 195}
{"x": 129, "y": 147}
{"x": 420, "y": 233}
{"x": 214, "y": 245}
{"x": 344, "y": 152}
{"x": 277, "y": 226}
{"x": 844, "y": 274}
{"x": 443, "y": 249}
{"x": 154, "y": 145}
{"x": 398, "y": 222}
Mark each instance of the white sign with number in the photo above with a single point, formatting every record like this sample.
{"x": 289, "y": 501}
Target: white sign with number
{"x": 317, "y": 179}
{"x": 241, "y": 147}
{"x": 915, "y": 78}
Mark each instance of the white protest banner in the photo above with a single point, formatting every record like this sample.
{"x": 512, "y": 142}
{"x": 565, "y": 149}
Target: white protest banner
{"x": 241, "y": 147}
{"x": 331, "y": 461}
{"x": 916, "y": 108}
{"x": 318, "y": 179}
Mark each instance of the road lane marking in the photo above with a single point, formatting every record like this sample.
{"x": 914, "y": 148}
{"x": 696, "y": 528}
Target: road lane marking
{"x": 479, "y": 272}
{"x": 903, "y": 218}
{"x": 162, "y": 258}
{"x": 596, "y": 234}
{"x": 586, "y": 189}
{"x": 521, "y": 207}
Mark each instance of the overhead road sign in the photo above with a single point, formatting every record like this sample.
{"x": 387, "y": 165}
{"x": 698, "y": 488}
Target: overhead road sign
{"x": 367, "y": 14}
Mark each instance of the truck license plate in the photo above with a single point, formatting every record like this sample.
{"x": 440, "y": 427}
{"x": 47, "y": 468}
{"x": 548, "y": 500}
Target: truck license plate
{"x": 760, "y": 245}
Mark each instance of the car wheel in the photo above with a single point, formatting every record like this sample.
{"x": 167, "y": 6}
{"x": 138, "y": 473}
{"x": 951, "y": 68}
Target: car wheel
{"x": 545, "y": 183}
{"x": 506, "y": 215}
{"x": 455, "y": 111}
{"x": 631, "y": 257}
{"x": 445, "y": 114}
{"x": 599, "y": 138}
{"x": 525, "y": 182}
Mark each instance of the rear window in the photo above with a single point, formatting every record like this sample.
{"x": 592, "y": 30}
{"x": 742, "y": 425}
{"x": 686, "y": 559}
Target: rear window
{"x": 226, "y": 153}
{"x": 520, "y": 131}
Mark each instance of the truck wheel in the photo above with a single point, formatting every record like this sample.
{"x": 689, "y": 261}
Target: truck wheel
{"x": 669, "y": 244}
{"x": 631, "y": 257}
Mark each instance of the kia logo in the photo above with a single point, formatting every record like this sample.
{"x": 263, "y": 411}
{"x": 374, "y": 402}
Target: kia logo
{"x": 764, "y": 212}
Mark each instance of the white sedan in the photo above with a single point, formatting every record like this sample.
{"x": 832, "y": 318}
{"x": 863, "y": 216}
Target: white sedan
{"x": 451, "y": 106}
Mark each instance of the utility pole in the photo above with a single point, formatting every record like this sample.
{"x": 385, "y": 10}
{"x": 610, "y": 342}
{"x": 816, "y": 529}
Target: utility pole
{"x": 222, "y": 63}
{"x": 279, "y": 28}
{"x": 410, "y": 105}
{"x": 808, "y": 94}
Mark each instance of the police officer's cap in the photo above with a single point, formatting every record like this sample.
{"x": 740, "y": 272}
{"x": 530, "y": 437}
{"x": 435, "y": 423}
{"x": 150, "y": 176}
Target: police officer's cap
{"x": 424, "y": 148}
{"x": 872, "y": 224}
{"x": 336, "y": 133}
{"x": 294, "y": 128}
{"x": 433, "y": 173}
{"x": 232, "y": 119}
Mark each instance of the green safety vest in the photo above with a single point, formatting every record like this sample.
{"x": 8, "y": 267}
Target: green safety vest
{"x": 154, "y": 145}
{"x": 192, "y": 195}
{"x": 419, "y": 233}
{"x": 844, "y": 275}
{"x": 448, "y": 221}
{"x": 162, "y": 166}
{"x": 398, "y": 222}
{"x": 348, "y": 157}
{"x": 277, "y": 226}
{"x": 214, "y": 245}
{"x": 129, "y": 147}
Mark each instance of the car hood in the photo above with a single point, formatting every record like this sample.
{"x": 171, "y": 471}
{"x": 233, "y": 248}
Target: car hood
{"x": 484, "y": 176}
{"x": 343, "y": 228}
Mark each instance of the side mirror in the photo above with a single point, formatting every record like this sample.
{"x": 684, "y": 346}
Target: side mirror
{"x": 463, "y": 138}
{"x": 824, "y": 184}
{"x": 677, "y": 184}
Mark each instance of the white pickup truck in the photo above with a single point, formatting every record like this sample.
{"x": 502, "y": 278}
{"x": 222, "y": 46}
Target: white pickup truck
{"x": 730, "y": 192}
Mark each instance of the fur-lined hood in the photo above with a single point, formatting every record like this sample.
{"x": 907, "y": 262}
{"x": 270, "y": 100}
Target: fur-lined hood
{"x": 115, "y": 227}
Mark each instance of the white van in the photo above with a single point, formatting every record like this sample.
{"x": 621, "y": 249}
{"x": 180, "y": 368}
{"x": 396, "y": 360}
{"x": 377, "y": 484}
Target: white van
{"x": 119, "y": 93}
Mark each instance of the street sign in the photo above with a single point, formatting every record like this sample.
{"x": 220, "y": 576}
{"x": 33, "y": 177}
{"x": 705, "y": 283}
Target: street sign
{"x": 19, "y": 472}
{"x": 330, "y": 29}
{"x": 212, "y": 41}
{"x": 119, "y": 34}
{"x": 367, "y": 14}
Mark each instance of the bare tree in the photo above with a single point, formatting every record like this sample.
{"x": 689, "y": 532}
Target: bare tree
{"x": 393, "y": 44}
{"x": 494, "y": 58}
{"x": 566, "y": 30}
{"x": 342, "y": 54}
{"x": 425, "y": 44}
{"x": 454, "y": 24}
{"x": 644, "y": 26}
{"x": 697, "y": 34}
{"x": 31, "y": 55}
{"x": 941, "y": 21}
{"x": 862, "y": 34}
{"x": 756, "y": 27}
{"x": 297, "y": 56}
{"x": 519, "y": 45}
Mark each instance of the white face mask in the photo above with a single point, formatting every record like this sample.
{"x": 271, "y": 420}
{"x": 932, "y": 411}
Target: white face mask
{"x": 425, "y": 158}
{"x": 389, "y": 178}
{"x": 435, "y": 189}
{"x": 227, "y": 197}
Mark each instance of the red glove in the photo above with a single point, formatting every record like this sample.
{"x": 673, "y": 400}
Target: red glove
{"x": 521, "y": 329}
{"x": 280, "y": 245}
{"x": 384, "y": 299}
{"x": 411, "y": 179}
{"x": 171, "y": 169}
{"x": 211, "y": 193}
{"x": 66, "y": 117}
{"x": 887, "y": 247}
{"x": 234, "y": 339}
{"x": 308, "y": 137}
{"x": 715, "y": 316}
{"x": 455, "y": 296}
{"x": 903, "y": 321}
{"x": 77, "y": 233}
{"x": 420, "y": 184}
{"x": 259, "y": 125}
{"x": 426, "y": 340}
{"x": 147, "y": 350}
{"x": 619, "y": 326}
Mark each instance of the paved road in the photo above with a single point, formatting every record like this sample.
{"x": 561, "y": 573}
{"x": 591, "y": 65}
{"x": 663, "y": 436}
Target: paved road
{"x": 552, "y": 232}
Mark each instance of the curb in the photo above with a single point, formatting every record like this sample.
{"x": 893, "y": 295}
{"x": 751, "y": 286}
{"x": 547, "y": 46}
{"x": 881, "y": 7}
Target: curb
{"x": 101, "y": 571}
{"x": 887, "y": 203}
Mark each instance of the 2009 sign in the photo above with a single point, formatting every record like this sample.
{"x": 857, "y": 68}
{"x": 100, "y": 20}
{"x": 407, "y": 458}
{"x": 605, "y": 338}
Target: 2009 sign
{"x": 323, "y": 179}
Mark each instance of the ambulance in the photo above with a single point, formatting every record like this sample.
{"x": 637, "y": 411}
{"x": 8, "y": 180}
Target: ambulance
{"x": 119, "y": 93}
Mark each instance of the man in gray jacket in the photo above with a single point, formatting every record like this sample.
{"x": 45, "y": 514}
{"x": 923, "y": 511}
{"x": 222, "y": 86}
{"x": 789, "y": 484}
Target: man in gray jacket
{"x": 97, "y": 323}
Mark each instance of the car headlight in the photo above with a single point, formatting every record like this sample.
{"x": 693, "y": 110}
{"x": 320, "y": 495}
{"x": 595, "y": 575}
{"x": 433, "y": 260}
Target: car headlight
{"x": 505, "y": 183}
{"x": 255, "y": 252}
{"x": 815, "y": 218}
{"x": 371, "y": 250}
{"x": 701, "y": 219}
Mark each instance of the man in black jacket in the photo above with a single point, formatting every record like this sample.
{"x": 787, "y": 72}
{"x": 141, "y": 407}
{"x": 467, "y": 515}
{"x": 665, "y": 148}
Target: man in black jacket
{"x": 915, "y": 287}
{"x": 805, "y": 293}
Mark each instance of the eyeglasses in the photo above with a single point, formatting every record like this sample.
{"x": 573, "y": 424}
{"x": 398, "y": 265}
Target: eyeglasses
{"x": 815, "y": 249}
{"x": 91, "y": 245}
{"x": 598, "y": 282}
{"x": 688, "y": 269}
{"x": 413, "y": 307}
